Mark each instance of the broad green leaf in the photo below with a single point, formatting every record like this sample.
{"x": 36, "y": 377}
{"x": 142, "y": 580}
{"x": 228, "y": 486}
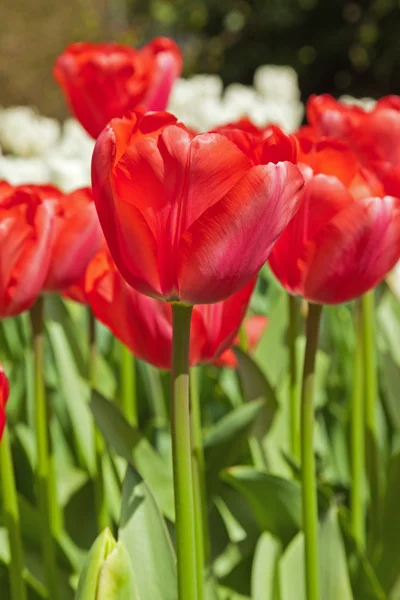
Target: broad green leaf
{"x": 388, "y": 566}
{"x": 129, "y": 443}
{"x": 276, "y": 502}
{"x": 144, "y": 533}
{"x": 107, "y": 573}
{"x": 271, "y": 353}
{"x": 223, "y": 443}
{"x": 264, "y": 576}
{"x": 291, "y": 571}
{"x": 76, "y": 394}
{"x": 255, "y": 387}
{"x": 89, "y": 579}
{"x": 334, "y": 576}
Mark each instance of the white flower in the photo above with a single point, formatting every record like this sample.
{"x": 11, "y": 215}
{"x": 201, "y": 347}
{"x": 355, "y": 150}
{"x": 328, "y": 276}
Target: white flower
{"x": 23, "y": 170}
{"x": 365, "y": 103}
{"x": 68, "y": 173}
{"x": 277, "y": 83}
{"x": 25, "y": 133}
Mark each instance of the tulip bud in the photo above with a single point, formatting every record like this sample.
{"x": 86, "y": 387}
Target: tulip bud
{"x": 107, "y": 572}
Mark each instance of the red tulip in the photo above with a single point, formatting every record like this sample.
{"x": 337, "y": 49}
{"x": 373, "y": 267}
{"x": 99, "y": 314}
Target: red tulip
{"x": 26, "y": 236}
{"x": 254, "y": 327}
{"x": 187, "y": 217}
{"x": 373, "y": 135}
{"x": 77, "y": 237}
{"x": 102, "y": 81}
{"x": 145, "y": 324}
{"x": 4, "y": 393}
{"x": 346, "y": 236}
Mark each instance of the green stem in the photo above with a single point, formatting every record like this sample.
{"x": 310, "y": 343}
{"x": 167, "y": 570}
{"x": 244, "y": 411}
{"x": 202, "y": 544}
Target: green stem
{"x": 98, "y": 480}
{"x": 181, "y": 450}
{"x": 46, "y": 499}
{"x": 357, "y": 439}
{"x": 157, "y": 396}
{"x": 199, "y": 483}
{"x": 294, "y": 384}
{"x": 128, "y": 385}
{"x": 12, "y": 520}
{"x": 309, "y": 482}
{"x": 371, "y": 408}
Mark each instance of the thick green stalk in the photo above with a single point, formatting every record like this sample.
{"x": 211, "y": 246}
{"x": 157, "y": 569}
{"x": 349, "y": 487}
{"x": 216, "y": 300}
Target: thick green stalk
{"x": 358, "y": 439}
{"x": 12, "y": 520}
{"x": 46, "y": 499}
{"x": 128, "y": 395}
{"x": 371, "y": 408}
{"x": 309, "y": 482}
{"x": 199, "y": 484}
{"x": 293, "y": 384}
{"x": 98, "y": 481}
{"x": 182, "y": 453}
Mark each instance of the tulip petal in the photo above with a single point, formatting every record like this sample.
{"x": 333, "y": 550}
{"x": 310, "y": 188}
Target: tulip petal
{"x": 355, "y": 251}
{"x": 128, "y": 235}
{"x": 225, "y": 248}
{"x": 323, "y": 198}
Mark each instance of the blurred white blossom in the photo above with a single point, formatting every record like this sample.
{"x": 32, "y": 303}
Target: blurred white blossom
{"x": 365, "y": 103}
{"x": 25, "y": 133}
{"x": 201, "y": 103}
{"x": 18, "y": 170}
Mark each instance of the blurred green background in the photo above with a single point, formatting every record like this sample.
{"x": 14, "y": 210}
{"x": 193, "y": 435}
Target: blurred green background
{"x": 335, "y": 46}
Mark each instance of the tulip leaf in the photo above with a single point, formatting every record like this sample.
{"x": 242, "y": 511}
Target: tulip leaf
{"x": 144, "y": 533}
{"x": 388, "y": 566}
{"x": 256, "y": 386}
{"x": 116, "y": 579}
{"x": 276, "y": 502}
{"x": 335, "y": 582}
{"x": 264, "y": 577}
{"x": 76, "y": 394}
{"x": 291, "y": 571}
{"x": 224, "y": 441}
{"x": 129, "y": 443}
{"x": 89, "y": 578}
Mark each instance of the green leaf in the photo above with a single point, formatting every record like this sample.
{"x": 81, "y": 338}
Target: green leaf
{"x": 276, "y": 502}
{"x": 264, "y": 577}
{"x": 144, "y": 533}
{"x": 129, "y": 443}
{"x": 388, "y": 566}
{"x": 334, "y": 576}
{"x": 224, "y": 441}
{"x": 291, "y": 571}
{"x": 256, "y": 387}
{"x": 271, "y": 352}
{"x": 76, "y": 394}
{"x": 89, "y": 579}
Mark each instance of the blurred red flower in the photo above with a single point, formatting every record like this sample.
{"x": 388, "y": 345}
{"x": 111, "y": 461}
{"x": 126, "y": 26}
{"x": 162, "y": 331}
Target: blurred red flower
{"x": 77, "y": 238}
{"x": 145, "y": 324}
{"x": 373, "y": 135}
{"x": 254, "y": 327}
{"x": 189, "y": 217}
{"x": 346, "y": 236}
{"x": 4, "y": 393}
{"x": 102, "y": 81}
{"x": 26, "y": 237}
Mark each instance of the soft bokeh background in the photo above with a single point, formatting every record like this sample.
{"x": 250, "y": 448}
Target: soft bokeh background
{"x": 334, "y": 45}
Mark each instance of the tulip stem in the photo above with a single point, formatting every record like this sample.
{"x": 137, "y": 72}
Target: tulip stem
{"x": 46, "y": 498}
{"x": 294, "y": 384}
{"x": 98, "y": 482}
{"x": 308, "y": 474}
{"x": 199, "y": 484}
{"x": 357, "y": 438}
{"x": 182, "y": 451}
{"x": 12, "y": 520}
{"x": 128, "y": 395}
{"x": 371, "y": 408}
